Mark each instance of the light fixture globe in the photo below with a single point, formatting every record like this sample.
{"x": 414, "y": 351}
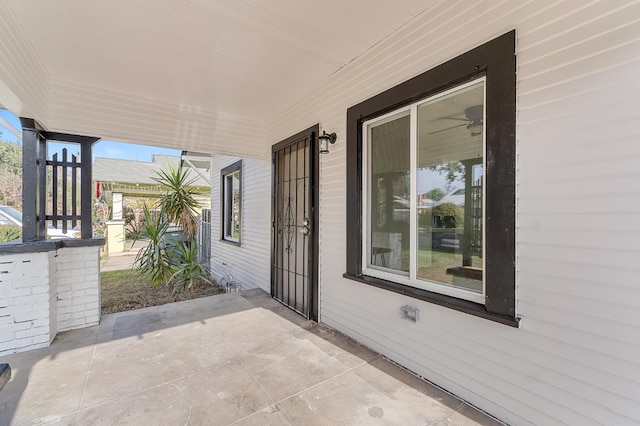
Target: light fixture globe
{"x": 324, "y": 140}
{"x": 475, "y": 127}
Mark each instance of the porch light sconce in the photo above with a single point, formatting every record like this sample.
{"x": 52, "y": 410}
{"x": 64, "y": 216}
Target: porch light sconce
{"x": 325, "y": 139}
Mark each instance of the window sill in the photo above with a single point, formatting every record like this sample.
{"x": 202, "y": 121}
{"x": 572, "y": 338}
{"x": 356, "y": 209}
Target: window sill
{"x": 231, "y": 242}
{"x": 460, "y": 305}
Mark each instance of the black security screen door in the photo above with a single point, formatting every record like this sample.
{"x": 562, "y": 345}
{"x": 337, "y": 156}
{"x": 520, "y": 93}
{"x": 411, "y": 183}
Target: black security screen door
{"x": 294, "y": 265}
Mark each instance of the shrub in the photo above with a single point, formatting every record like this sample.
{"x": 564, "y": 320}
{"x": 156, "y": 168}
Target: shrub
{"x": 449, "y": 215}
{"x": 134, "y": 227}
{"x": 445, "y": 215}
{"x": 186, "y": 269}
{"x": 10, "y": 233}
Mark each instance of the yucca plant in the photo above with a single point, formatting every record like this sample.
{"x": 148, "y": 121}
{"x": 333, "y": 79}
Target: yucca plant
{"x": 178, "y": 202}
{"x": 186, "y": 270}
{"x": 164, "y": 261}
{"x": 154, "y": 260}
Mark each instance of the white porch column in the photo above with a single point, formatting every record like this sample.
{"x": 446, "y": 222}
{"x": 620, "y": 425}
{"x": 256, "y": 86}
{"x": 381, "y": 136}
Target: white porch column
{"x": 115, "y": 236}
{"x": 115, "y": 227}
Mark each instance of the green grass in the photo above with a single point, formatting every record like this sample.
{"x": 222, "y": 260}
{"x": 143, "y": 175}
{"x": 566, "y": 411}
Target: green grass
{"x": 433, "y": 264}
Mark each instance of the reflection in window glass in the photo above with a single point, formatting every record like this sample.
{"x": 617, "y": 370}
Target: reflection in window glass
{"x": 389, "y": 205}
{"x": 233, "y": 205}
{"x": 449, "y": 193}
{"x": 232, "y": 202}
{"x": 425, "y": 177}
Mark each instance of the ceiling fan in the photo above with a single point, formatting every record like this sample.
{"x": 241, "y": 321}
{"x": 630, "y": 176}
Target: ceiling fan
{"x": 473, "y": 116}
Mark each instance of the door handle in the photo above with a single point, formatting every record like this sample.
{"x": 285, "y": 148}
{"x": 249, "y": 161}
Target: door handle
{"x": 304, "y": 229}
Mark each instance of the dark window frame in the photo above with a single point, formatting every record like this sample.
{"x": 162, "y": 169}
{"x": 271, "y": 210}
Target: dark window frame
{"x": 224, "y": 214}
{"x": 496, "y": 61}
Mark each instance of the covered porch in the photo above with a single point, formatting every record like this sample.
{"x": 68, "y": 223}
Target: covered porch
{"x": 551, "y": 338}
{"x": 240, "y": 358}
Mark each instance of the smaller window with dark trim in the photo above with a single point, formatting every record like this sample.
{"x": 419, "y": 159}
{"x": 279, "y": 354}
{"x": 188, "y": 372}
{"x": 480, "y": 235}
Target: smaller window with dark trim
{"x": 231, "y": 202}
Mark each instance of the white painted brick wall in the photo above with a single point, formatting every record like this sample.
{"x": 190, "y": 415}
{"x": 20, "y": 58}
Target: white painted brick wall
{"x": 25, "y": 302}
{"x": 44, "y": 293}
{"x": 53, "y": 295}
{"x": 78, "y": 274}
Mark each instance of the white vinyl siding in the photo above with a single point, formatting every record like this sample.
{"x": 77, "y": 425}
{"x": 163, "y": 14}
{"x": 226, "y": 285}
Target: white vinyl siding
{"x": 249, "y": 262}
{"x": 576, "y": 357}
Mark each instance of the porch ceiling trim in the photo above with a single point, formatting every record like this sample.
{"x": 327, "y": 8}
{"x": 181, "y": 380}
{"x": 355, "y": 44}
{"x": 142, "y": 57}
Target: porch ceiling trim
{"x": 125, "y": 117}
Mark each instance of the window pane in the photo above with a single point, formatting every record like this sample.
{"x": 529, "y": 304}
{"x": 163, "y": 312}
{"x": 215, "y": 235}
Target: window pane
{"x": 228, "y": 197}
{"x": 449, "y": 189}
{"x": 235, "y": 214}
{"x": 389, "y": 180}
{"x": 232, "y": 213}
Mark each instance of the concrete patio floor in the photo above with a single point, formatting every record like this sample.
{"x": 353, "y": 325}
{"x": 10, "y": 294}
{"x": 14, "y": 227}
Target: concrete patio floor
{"x": 238, "y": 358}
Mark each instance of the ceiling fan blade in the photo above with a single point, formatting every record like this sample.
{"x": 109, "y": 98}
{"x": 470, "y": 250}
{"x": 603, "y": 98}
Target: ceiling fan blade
{"x": 453, "y": 118}
{"x": 444, "y": 130}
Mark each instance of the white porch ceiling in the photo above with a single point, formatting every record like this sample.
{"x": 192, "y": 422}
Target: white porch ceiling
{"x": 246, "y": 58}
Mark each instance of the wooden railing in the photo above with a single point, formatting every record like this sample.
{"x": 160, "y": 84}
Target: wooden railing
{"x": 64, "y": 212}
{"x": 35, "y": 177}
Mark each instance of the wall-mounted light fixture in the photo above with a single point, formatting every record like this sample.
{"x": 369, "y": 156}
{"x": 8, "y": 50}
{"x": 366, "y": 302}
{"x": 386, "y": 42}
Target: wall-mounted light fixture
{"x": 324, "y": 140}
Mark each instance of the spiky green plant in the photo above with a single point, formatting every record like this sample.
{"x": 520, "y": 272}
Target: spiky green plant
{"x": 154, "y": 260}
{"x": 178, "y": 201}
{"x": 163, "y": 262}
{"x": 187, "y": 271}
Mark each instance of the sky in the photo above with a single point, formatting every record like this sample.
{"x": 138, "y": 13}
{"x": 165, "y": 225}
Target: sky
{"x": 104, "y": 148}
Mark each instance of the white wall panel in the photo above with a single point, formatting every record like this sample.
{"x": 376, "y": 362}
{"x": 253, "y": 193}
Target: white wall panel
{"x": 23, "y": 76}
{"x": 576, "y": 357}
{"x": 248, "y": 263}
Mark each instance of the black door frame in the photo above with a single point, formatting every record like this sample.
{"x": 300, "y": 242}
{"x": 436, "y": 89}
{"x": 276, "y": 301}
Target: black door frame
{"x": 311, "y": 133}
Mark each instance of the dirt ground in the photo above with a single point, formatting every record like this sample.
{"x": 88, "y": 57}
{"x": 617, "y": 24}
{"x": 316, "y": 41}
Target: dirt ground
{"x": 126, "y": 290}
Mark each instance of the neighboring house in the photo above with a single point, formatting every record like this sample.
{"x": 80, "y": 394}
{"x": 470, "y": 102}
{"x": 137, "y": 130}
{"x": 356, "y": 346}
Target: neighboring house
{"x": 456, "y": 197}
{"x": 538, "y": 100}
{"x": 135, "y": 179}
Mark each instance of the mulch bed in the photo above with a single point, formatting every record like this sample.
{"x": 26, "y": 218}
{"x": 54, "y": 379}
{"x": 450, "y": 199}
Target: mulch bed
{"x": 127, "y": 290}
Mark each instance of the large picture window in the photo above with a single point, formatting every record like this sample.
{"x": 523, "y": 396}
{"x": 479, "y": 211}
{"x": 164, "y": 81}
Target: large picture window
{"x": 423, "y": 193}
{"x": 431, "y": 185}
{"x": 231, "y": 202}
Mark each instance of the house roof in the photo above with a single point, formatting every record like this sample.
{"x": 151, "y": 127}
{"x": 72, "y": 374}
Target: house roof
{"x": 137, "y": 172}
